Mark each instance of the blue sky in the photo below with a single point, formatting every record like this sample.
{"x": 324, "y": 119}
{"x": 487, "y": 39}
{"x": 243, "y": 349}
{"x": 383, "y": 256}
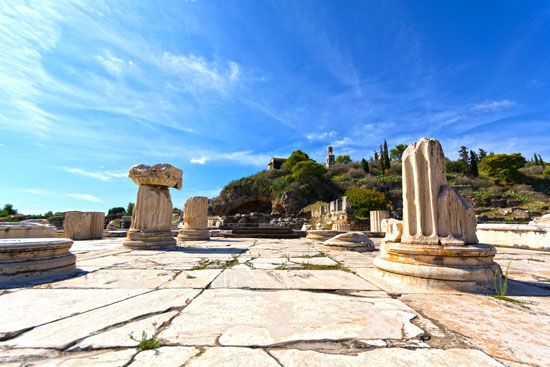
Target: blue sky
{"x": 216, "y": 88}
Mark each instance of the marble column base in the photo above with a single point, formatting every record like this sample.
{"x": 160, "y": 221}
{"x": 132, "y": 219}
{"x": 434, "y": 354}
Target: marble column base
{"x": 469, "y": 268}
{"x": 193, "y": 235}
{"x": 137, "y": 239}
{"x": 34, "y": 259}
{"x": 320, "y": 235}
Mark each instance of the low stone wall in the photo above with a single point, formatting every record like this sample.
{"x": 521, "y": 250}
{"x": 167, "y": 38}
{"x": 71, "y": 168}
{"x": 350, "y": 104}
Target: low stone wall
{"x": 515, "y": 235}
{"x": 26, "y": 230}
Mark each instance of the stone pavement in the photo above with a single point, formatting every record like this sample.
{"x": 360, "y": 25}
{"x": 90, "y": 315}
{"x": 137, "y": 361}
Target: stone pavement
{"x": 263, "y": 302}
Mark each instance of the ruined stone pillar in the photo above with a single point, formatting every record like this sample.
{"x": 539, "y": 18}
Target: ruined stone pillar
{"x": 152, "y": 214}
{"x": 195, "y": 220}
{"x": 437, "y": 246}
{"x": 83, "y": 225}
{"x": 376, "y": 217}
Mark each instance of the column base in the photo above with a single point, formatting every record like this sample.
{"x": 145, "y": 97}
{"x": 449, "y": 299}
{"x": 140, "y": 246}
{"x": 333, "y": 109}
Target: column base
{"x": 469, "y": 268}
{"x": 149, "y": 240}
{"x": 193, "y": 235}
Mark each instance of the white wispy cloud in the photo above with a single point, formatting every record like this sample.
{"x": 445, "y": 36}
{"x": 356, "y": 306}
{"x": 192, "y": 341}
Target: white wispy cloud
{"x": 246, "y": 158}
{"x": 321, "y": 135}
{"x": 114, "y": 65}
{"x": 28, "y": 31}
{"x": 201, "y": 73}
{"x": 85, "y": 197}
{"x": 199, "y": 160}
{"x": 493, "y": 106}
{"x": 99, "y": 175}
{"x": 342, "y": 142}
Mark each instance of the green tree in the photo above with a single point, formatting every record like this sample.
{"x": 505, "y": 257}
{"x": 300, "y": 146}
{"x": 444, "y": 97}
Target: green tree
{"x": 344, "y": 159}
{"x": 535, "y": 159}
{"x": 365, "y": 165}
{"x": 8, "y": 210}
{"x": 382, "y": 159}
{"x": 474, "y": 171}
{"x": 304, "y": 170}
{"x": 48, "y": 214}
{"x": 387, "y": 163}
{"x": 503, "y": 168}
{"x": 481, "y": 154}
{"x": 116, "y": 211}
{"x": 397, "y": 152}
{"x": 541, "y": 161}
{"x": 130, "y": 209}
{"x": 364, "y": 200}
{"x": 295, "y": 157}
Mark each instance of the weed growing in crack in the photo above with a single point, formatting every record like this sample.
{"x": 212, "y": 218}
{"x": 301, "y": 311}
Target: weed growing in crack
{"x": 146, "y": 342}
{"x": 500, "y": 284}
{"x": 337, "y": 266}
{"x": 205, "y": 263}
{"x": 230, "y": 263}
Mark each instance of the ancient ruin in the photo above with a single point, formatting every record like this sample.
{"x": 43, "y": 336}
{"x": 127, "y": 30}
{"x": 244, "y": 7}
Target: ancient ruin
{"x": 438, "y": 246}
{"x": 152, "y": 214}
{"x": 349, "y": 241}
{"x": 336, "y": 215}
{"x": 83, "y": 225}
{"x": 376, "y": 217}
{"x": 195, "y": 220}
{"x": 26, "y": 229}
{"x": 32, "y": 259}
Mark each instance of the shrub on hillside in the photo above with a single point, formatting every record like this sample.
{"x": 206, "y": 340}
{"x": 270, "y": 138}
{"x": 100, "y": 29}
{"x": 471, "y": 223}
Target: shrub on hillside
{"x": 364, "y": 200}
{"x": 546, "y": 172}
{"x": 337, "y": 170}
{"x": 294, "y": 158}
{"x": 503, "y": 168}
{"x": 344, "y": 159}
{"x": 306, "y": 169}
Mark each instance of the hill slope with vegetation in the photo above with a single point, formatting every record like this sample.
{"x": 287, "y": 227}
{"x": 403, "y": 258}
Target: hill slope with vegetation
{"x": 502, "y": 187}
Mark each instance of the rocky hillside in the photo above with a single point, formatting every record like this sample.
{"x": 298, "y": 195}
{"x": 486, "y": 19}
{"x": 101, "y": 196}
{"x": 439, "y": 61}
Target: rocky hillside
{"x": 503, "y": 188}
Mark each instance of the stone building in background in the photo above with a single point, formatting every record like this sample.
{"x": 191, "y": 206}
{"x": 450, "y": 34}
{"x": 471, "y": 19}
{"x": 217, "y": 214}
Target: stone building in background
{"x": 275, "y": 164}
{"x": 329, "y": 161}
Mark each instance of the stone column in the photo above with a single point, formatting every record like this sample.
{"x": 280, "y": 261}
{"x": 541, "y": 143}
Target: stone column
{"x": 83, "y": 225}
{"x": 436, "y": 246}
{"x": 195, "y": 220}
{"x": 376, "y": 217}
{"x": 152, "y": 213}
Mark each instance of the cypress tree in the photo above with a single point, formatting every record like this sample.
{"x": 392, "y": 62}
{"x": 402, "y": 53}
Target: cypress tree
{"x": 365, "y": 165}
{"x": 536, "y": 159}
{"x": 464, "y": 158}
{"x": 541, "y": 161}
{"x": 382, "y": 159}
{"x": 473, "y": 164}
{"x": 386, "y": 155}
